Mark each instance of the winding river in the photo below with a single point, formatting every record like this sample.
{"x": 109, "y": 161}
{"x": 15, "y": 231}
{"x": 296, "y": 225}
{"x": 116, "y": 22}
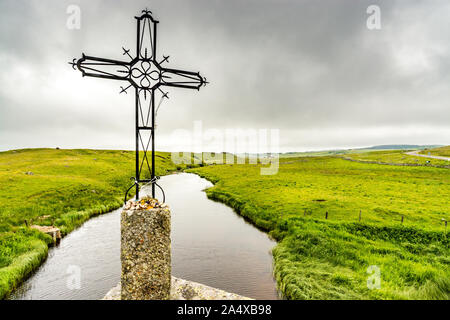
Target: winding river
{"x": 211, "y": 245}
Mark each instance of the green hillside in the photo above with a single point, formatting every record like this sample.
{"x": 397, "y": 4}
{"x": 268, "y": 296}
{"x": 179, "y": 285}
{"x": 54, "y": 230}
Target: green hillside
{"x": 319, "y": 258}
{"x": 442, "y": 151}
{"x": 59, "y": 187}
{"x": 316, "y": 258}
{"x": 396, "y": 157}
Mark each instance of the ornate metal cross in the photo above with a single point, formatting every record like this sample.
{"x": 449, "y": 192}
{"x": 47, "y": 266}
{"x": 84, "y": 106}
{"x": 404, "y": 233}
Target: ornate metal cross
{"x": 147, "y": 76}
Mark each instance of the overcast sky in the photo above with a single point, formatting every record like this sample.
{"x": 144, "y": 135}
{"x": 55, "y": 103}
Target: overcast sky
{"x": 311, "y": 69}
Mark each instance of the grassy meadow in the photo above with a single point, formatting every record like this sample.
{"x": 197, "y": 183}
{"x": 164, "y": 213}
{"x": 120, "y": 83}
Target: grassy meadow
{"x": 56, "y": 187}
{"x": 442, "y": 151}
{"x": 315, "y": 258}
{"x": 398, "y": 157}
{"x": 319, "y": 258}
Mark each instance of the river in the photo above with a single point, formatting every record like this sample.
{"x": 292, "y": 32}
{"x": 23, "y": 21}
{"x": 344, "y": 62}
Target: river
{"x": 211, "y": 245}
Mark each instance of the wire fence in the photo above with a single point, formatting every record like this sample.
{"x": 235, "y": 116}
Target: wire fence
{"x": 401, "y": 219}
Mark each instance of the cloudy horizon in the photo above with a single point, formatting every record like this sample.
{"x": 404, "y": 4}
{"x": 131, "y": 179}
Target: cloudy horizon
{"x": 311, "y": 69}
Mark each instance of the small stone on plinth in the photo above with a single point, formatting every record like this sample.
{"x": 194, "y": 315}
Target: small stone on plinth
{"x": 145, "y": 250}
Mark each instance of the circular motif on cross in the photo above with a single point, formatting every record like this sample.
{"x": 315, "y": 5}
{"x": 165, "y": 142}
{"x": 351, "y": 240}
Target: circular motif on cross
{"x": 145, "y": 74}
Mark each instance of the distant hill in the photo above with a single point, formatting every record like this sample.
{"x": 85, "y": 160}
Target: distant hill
{"x": 359, "y": 150}
{"x": 401, "y": 147}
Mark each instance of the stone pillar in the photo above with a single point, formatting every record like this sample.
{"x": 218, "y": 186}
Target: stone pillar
{"x": 145, "y": 251}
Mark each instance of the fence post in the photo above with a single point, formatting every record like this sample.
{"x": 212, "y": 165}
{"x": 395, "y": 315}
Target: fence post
{"x": 326, "y": 215}
{"x": 402, "y": 219}
{"x": 359, "y": 215}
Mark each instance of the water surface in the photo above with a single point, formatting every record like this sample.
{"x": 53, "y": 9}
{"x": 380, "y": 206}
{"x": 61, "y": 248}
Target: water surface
{"x": 211, "y": 244}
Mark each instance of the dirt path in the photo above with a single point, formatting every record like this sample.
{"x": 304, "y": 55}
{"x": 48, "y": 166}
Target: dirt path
{"x": 415, "y": 153}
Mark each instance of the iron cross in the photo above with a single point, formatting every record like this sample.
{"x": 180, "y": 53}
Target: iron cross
{"x": 148, "y": 77}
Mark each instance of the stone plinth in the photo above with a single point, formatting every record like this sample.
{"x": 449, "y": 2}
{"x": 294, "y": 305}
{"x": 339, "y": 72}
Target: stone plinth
{"x": 145, "y": 251}
{"x": 186, "y": 290}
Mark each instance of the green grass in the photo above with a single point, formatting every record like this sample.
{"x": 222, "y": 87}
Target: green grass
{"x": 396, "y": 157}
{"x": 328, "y": 259}
{"x": 314, "y": 259}
{"x": 329, "y": 153}
{"x": 315, "y": 153}
{"x": 383, "y": 149}
{"x": 442, "y": 151}
{"x": 69, "y": 186}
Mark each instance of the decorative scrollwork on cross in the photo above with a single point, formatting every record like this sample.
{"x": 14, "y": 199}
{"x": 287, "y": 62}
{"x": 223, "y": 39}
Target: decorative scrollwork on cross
{"x": 147, "y": 75}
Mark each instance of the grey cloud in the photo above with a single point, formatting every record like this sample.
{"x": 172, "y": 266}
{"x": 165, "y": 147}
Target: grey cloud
{"x": 300, "y": 66}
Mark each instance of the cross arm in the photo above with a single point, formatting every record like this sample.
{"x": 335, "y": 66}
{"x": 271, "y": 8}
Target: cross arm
{"x": 182, "y": 79}
{"x": 102, "y": 68}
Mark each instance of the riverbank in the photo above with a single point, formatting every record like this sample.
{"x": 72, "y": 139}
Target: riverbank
{"x": 57, "y": 187}
{"x": 312, "y": 207}
{"x": 240, "y": 263}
